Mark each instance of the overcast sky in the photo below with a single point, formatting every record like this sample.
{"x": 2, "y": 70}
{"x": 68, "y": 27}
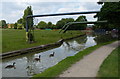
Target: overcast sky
{"x": 13, "y": 10}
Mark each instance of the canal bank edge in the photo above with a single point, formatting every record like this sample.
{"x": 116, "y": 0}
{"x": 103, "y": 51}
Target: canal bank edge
{"x": 55, "y": 71}
{"x": 36, "y": 48}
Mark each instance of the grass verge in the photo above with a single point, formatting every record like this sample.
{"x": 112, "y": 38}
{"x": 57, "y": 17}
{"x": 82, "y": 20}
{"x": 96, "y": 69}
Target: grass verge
{"x": 66, "y": 63}
{"x": 109, "y": 68}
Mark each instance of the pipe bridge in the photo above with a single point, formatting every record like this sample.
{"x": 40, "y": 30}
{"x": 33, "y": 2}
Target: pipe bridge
{"x": 67, "y": 25}
{"x": 29, "y": 35}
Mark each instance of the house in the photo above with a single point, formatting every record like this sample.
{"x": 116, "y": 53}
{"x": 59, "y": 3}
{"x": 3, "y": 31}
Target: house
{"x": 10, "y": 25}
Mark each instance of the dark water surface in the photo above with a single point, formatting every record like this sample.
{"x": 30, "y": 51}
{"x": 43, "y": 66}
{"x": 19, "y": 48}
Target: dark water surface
{"x": 26, "y": 66}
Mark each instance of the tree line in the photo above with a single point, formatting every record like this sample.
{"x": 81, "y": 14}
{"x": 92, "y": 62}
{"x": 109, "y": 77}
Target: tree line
{"x": 21, "y": 23}
{"x": 62, "y": 22}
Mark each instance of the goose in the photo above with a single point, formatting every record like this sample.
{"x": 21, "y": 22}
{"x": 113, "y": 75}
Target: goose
{"x": 51, "y": 55}
{"x": 37, "y": 59}
{"x": 29, "y": 67}
{"x": 11, "y": 66}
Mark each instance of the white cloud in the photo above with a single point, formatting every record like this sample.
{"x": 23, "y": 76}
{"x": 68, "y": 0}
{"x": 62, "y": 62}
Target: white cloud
{"x": 50, "y": 0}
{"x": 80, "y": 9}
{"x": 14, "y": 10}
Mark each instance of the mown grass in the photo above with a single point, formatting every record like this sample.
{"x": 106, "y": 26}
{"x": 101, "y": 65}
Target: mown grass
{"x": 16, "y": 39}
{"x": 66, "y": 63}
{"x": 109, "y": 68}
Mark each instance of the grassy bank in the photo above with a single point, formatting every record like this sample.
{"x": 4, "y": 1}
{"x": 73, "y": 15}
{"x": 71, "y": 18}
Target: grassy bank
{"x": 66, "y": 63}
{"x": 15, "y": 39}
{"x": 109, "y": 68}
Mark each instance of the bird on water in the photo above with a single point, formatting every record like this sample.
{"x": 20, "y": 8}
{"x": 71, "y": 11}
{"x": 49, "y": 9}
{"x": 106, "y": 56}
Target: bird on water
{"x": 11, "y": 66}
{"x": 37, "y": 59}
{"x": 52, "y": 55}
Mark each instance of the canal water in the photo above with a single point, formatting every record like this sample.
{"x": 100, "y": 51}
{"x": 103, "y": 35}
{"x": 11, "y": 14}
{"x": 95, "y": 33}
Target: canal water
{"x": 26, "y": 66}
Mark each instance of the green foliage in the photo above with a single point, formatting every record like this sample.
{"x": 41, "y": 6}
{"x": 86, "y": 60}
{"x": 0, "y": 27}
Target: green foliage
{"x": 15, "y": 26}
{"x": 19, "y": 26}
{"x": 42, "y": 25}
{"x": 63, "y": 21}
{"x": 27, "y": 12}
{"x": 60, "y": 24}
{"x": 3, "y": 23}
{"x": 81, "y": 19}
{"x": 0, "y": 23}
{"x": 79, "y": 26}
{"x": 110, "y": 11}
{"x": 20, "y": 21}
{"x": 49, "y": 25}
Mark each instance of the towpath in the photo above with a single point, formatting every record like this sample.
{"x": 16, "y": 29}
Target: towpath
{"x": 90, "y": 64}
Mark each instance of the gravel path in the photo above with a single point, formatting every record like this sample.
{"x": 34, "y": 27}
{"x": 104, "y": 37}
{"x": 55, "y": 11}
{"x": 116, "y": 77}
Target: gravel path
{"x": 89, "y": 65}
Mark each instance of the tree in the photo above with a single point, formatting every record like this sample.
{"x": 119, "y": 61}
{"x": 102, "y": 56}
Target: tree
{"x": 0, "y": 23}
{"x": 15, "y": 26}
{"x": 79, "y": 26}
{"x": 110, "y": 11}
{"x": 27, "y": 12}
{"x": 42, "y": 25}
{"x": 19, "y": 26}
{"x": 29, "y": 21}
{"x": 81, "y": 19}
{"x": 20, "y": 21}
{"x": 49, "y": 25}
{"x": 63, "y": 21}
{"x": 60, "y": 24}
{"x": 3, "y": 23}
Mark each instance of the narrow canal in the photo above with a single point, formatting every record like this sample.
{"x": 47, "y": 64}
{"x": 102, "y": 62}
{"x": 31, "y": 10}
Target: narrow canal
{"x": 26, "y": 65}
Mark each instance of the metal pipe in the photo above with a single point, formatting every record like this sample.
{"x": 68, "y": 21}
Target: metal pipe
{"x": 59, "y": 14}
{"x": 27, "y": 30}
{"x": 90, "y": 22}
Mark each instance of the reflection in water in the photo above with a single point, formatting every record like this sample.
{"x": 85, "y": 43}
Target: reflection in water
{"x": 105, "y": 37}
{"x": 26, "y": 65}
{"x": 114, "y": 35}
{"x": 31, "y": 66}
{"x": 90, "y": 42}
